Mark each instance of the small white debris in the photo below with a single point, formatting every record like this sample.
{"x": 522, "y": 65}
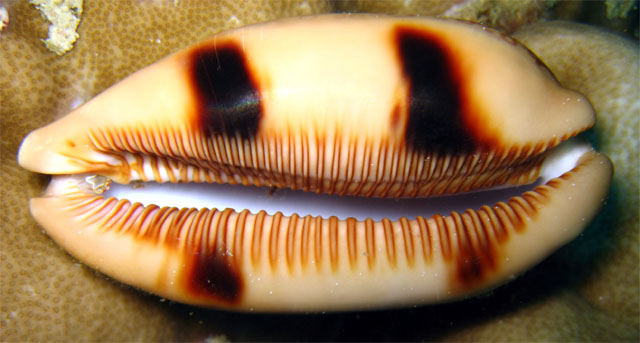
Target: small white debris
{"x": 28, "y": 289}
{"x": 64, "y": 16}
{"x": 4, "y": 18}
{"x": 99, "y": 184}
{"x": 234, "y": 21}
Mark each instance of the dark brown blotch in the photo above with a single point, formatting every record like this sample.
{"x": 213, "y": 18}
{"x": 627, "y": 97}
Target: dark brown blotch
{"x": 474, "y": 258}
{"x": 436, "y": 110}
{"x": 214, "y": 276}
{"x": 227, "y": 96}
{"x": 472, "y": 266}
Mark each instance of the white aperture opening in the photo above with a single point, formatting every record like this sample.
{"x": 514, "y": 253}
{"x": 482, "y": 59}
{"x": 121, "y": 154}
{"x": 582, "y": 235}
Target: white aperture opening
{"x": 561, "y": 160}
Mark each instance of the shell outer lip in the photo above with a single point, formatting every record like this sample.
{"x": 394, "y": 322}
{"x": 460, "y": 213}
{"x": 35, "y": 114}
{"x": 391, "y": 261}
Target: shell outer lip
{"x": 312, "y": 264}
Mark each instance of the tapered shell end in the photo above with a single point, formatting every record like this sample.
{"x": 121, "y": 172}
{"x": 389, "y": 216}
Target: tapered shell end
{"x": 35, "y": 155}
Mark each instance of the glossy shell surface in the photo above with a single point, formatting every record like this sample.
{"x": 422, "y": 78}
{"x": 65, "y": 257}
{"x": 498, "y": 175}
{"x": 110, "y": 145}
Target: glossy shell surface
{"x": 354, "y": 105}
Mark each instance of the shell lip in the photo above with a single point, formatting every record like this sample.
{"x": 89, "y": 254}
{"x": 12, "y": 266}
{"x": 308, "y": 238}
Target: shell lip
{"x": 103, "y": 221}
{"x": 123, "y": 166}
{"x": 557, "y": 161}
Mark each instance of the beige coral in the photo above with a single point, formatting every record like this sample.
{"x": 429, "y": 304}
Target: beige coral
{"x": 506, "y": 15}
{"x": 46, "y": 296}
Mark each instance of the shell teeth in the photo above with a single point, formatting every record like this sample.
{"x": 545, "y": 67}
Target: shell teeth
{"x": 377, "y": 169}
{"x": 238, "y": 259}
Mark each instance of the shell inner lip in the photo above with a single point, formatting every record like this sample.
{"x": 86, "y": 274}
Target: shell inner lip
{"x": 221, "y": 196}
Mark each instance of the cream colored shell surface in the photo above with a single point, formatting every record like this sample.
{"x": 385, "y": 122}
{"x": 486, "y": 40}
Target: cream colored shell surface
{"x": 200, "y": 257}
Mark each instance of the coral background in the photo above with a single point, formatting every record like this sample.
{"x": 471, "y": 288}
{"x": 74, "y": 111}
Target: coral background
{"x": 588, "y": 290}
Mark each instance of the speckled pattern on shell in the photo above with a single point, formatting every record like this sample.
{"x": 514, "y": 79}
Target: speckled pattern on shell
{"x": 47, "y": 296}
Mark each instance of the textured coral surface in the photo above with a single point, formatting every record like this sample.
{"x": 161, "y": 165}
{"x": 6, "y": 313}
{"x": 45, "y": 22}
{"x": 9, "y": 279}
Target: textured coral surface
{"x": 586, "y": 291}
